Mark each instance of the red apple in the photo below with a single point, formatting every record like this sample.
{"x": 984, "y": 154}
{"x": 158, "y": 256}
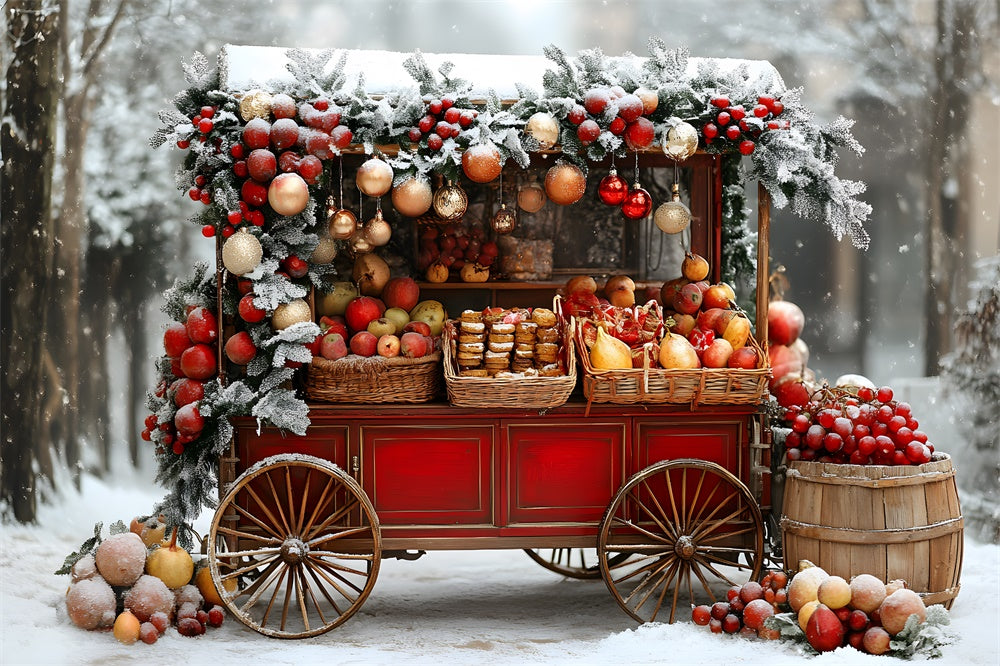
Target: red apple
{"x": 824, "y": 631}
{"x": 333, "y": 346}
{"x": 176, "y": 340}
{"x": 717, "y": 354}
{"x": 189, "y": 420}
{"x": 364, "y": 344}
{"x": 198, "y": 362}
{"x": 784, "y": 322}
{"x": 718, "y": 296}
{"x": 790, "y": 391}
{"x": 335, "y": 324}
{"x": 708, "y": 318}
{"x": 361, "y": 311}
{"x": 201, "y": 325}
{"x": 401, "y": 292}
{"x": 249, "y": 312}
{"x": 413, "y": 345}
{"x": 688, "y": 299}
{"x": 187, "y": 391}
{"x": 670, "y": 289}
{"x": 784, "y": 360}
{"x": 388, "y": 346}
{"x": 421, "y": 327}
{"x": 744, "y": 357}
{"x": 240, "y": 348}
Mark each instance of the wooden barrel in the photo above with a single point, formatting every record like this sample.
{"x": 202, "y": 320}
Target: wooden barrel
{"x": 889, "y": 521}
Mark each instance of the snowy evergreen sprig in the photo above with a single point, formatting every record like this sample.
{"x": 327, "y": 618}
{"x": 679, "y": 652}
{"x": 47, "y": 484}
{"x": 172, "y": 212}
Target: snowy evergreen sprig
{"x": 310, "y": 72}
{"x": 89, "y": 547}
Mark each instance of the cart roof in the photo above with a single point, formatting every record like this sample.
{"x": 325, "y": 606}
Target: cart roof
{"x": 247, "y": 67}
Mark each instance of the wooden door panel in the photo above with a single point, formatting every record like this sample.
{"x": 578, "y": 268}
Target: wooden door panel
{"x": 328, "y": 442}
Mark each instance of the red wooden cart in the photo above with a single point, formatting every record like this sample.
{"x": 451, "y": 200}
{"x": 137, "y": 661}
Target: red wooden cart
{"x": 662, "y": 502}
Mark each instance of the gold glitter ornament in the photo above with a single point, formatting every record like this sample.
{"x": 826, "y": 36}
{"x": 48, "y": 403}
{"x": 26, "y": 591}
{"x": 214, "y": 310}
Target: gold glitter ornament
{"x": 505, "y": 220}
{"x": 450, "y": 201}
{"x": 341, "y": 222}
{"x": 672, "y": 217}
{"x": 482, "y": 163}
{"x": 374, "y": 177}
{"x": 290, "y": 313}
{"x": 325, "y": 252}
{"x": 412, "y": 197}
{"x": 241, "y": 253}
{"x": 543, "y": 128}
{"x": 360, "y": 244}
{"x": 565, "y": 183}
{"x": 681, "y": 142}
{"x": 255, "y": 104}
{"x": 531, "y": 197}
{"x": 376, "y": 230}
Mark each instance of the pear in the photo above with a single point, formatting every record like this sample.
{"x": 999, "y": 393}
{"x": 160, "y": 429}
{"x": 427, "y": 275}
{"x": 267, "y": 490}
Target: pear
{"x": 171, "y": 564}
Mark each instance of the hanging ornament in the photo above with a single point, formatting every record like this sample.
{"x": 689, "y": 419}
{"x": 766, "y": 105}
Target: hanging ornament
{"x": 374, "y": 177}
{"x": 681, "y": 142}
{"x": 325, "y": 252}
{"x": 255, "y": 104}
{"x": 450, "y": 201}
{"x": 531, "y": 197}
{"x": 376, "y": 230}
{"x": 360, "y": 244}
{"x": 673, "y": 216}
{"x": 637, "y": 203}
{"x": 565, "y": 183}
{"x": 505, "y": 220}
{"x": 482, "y": 163}
{"x": 341, "y": 222}
{"x": 612, "y": 189}
{"x": 543, "y": 128}
{"x": 288, "y": 194}
{"x": 287, "y": 314}
{"x": 412, "y": 197}
{"x": 241, "y": 253}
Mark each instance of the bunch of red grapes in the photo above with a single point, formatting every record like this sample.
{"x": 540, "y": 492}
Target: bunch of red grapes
{"x": 746, "y": 608}
{"x": 443, "y": 120}
{"x": 866, "y": 428}
{"x": 742, "y": 126}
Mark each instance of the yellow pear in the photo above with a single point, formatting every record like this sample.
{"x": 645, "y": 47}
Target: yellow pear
{"x": 171, "y": 564}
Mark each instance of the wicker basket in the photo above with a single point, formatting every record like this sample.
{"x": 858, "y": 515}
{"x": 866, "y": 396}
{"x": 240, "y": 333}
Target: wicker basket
{"x": 509, "y": 392}
{"x": 375, "y": 380}
{"x": 703, "y": 386}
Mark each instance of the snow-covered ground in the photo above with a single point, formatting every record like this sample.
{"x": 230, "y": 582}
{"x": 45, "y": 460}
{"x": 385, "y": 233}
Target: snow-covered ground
{"x": 448, "y": 607}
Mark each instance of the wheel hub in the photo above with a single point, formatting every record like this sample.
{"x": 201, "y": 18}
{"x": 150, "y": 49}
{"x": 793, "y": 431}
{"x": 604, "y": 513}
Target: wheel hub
{"x": 293, "y": 550}
{"x": 685, "y": 547}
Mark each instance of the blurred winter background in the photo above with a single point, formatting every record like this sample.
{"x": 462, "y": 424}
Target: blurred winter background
{"x": 919, "y": 76}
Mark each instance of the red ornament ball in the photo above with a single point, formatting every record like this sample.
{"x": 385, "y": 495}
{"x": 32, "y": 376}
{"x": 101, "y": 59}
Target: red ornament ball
{"x": 637, "y": 204}
{"x": 612, "y": 189}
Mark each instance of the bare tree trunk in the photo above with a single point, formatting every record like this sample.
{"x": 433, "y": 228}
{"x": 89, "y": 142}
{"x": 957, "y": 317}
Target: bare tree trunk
{"x": 27, "y": 144}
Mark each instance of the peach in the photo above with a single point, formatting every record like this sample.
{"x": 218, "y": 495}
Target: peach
{"x": 388, "y": 346}
{"x": 867, "y": 592}
{"x": 364, "y": 344}
{"x": 717, "y": 354}
{"x": 804, "y": 586}
{"x": 413, "y": 345}
{"x": 876, "y": 641}
{"x": 834, "y": 592}
{"x": 897, "y": 608}
{"x": 333, "y": 346}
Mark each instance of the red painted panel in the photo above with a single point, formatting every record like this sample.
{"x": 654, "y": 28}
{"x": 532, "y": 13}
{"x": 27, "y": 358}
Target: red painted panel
{"x": 565, "y": 472}
{"x": 716, "y": 441}
{"x": 428, "y": 474}
{"x": 328, "y": 442}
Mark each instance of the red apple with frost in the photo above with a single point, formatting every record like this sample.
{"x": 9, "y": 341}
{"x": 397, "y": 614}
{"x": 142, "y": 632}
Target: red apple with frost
{"x": 876, "y": 640}
{"x": 361, "y": 311}
{"x": 188, "y": 420}
{"x": 198, "y": 362}
{"x": 176, "y": 340}
{"x": 249, "y": 312}
{"x": 596, "y": 100}
{"x": 718, "y": 296}
{"x": 175, "y": 367}
{"x": 784, "y": 322}
{"x": 333, "y": 346}
{"x": 388, "y": 346}
{"x": 201, "y": 325}
{"x": 364, "y": 344}
{"x": 262, "y": 165}
{"x": 413, "y": 345}
{"x": 187, "y": 391}
{"x": 240, "y": 348}
{"x": 717, "y": 354}
{"x": 744, "y": 357}
{"x": 421, "y": 327}
{"x": 381, "y": 326}
{"x": 897, "y": 608}
{"x": 640, "y": 134}
{"x": 824, "y": 631}
{"x": 401, "y": 292}
{"x": 688, "y": 299}
{"x": 683, "y": 324}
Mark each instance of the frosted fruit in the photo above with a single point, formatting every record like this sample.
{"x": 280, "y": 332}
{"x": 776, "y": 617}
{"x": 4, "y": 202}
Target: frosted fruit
{"x": 805, "y": 612}
{"x": 148, "y": 633}
{"x": 867, "y": 592}
{"x": 121, "y": 558}
{"x": 898, "y": 607}
{"x": 126, "y": 628}
{"x": 159, "y": 620}
{"x": 804, "y": 586}
{"x": 148, "y": 596}
{"x": 834, "y": 592}
{"x": 755, "y": 612}
{"x": 90, "y": 603}
{"x": 84, "y": 568}
{"x": 188, "y": 593}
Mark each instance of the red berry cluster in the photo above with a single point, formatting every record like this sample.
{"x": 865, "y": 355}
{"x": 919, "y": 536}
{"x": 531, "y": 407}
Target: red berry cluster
{"x": 746, "y": 607}
{"x": 628, "y": 120}
{"x": 204, "y": 123}
{"x": 869, "y": 428}
{"x": 732, "y": 123}
{"x": 443, "y": 120}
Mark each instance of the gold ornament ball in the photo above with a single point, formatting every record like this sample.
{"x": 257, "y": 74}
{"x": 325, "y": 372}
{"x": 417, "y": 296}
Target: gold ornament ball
{"x": 374, "y": 177}
{"x": 377, "y": 231}
{"x": 672, "y": 217}
{"x": 241, "y": 253}
{"x": 681, "y": 142}
{"x": 325, "y": 252}
{"x": 255, "y": 104}
{"x": 565, "y": 184}
{"x": 481, "y": 163}
{"x": 543, "y": 128}
{"x": 450, "y": 202}
{"x": 290, "y": 313}
{"x": 360, "y": 244}
{"x": 505, "y": 220}
{"x": 342, "y": 224}
{"x": 412, "y": 197}
{"x": 531, "y": 198}
{"x": 288, "y": 194}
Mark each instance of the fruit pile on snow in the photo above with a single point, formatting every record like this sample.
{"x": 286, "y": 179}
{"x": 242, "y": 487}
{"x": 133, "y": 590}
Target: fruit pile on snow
{"x": 746, "y": 608}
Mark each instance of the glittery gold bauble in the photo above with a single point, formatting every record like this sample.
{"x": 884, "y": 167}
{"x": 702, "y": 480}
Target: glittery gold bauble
{"x": 288, "y": 194}
{"x": 255, "y": 104}
{"x": 481, "y": 163}
{"x": 374, "y": 177}
{"x": 325, "y": 252}
{"x": 412, "y": 197}
{"x": 241, "y": 252}
{"x": 543, "y": 128}
{"x": 290, "y": 313}
{"x": 342, "y": 223}
{"x": 531, "y": 197}
{"x": 673, "y": 216}
{"x": 681, "y": 142}
{"x": 565, "y": 183}
{"x": 377, "y": 231}
{"x": 450, "y": 202}
{"x": 505, "y": 220}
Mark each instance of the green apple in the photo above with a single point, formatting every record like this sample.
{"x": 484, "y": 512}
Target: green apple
{"x": 431, "y": 313}
{"x": 399, "y": 317}
{"x": 381, "y": 326}
{"x": 334, "y": 302}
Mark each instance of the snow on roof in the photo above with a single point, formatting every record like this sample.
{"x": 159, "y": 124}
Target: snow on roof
{"x": 248, "y": 67}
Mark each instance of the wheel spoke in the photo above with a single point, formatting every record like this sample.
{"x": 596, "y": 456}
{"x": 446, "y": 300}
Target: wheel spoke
{"x": 654, "y": 574}
{"x": 710, "y": 525}
{"x": 662, "y": 584}
{"x": 644, "y": 568}
{"x": 727, "y": 535}
{"x": 688, "y": 517}
{"x": 333, "y": 566}
{"x": 715, "y": 572}
{"x": 704, "y": 583}
{"x": 708, "y": 501}
{"x": 321, "y": 503}
{"x": 673, "y": 528}
{"x": 670, "y": 494}
{"x": 267, "y": 512}
{"x": 252, "y": 601}
{"x": 677, "y": 589}
{"x": 249, "y": 535}
{"x": 323, "y": 590}
{"x": 277, "y": 504}
{"x": 306, "y": 595}
{"x": 341, "y": 556}
{"x": 260, "y": 523}
{"x": 253, "y": 553}
{"x": 255, "y": 565}
{"x": 644, "y": 531}
{"x": 655, "y": 519}
{"x": 728, "y": 562}
{"x": 332, "y": 518}
{"x": 321, "y": 568}
{"x": 338, "y": 535}
{"x": 289, "y": 585}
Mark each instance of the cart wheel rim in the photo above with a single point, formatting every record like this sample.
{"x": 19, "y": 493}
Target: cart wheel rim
{"x": 294, "y": 547}
{"x": 687, "y": 524}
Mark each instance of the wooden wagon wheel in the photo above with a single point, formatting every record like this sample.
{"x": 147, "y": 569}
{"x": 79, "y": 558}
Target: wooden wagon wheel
{"x": 685, "y": 523}
{"x": 301, "y": 540}
{"x": 578, "y": 563}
